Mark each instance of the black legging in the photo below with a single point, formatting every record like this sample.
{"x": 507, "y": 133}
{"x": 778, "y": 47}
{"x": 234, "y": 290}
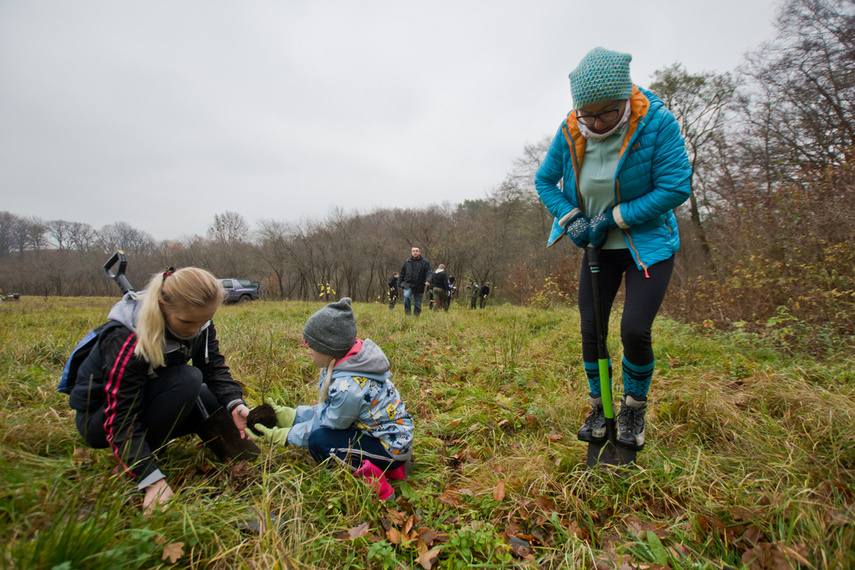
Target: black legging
{"x": 644, "y": 296}
{"x": 170, "y": 409}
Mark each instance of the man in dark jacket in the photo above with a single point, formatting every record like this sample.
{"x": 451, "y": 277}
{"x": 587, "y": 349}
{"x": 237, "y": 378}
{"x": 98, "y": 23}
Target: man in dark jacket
{"x": 484, "y": 293}
{"x": 413, "y": 279}
{"x": 393, "y": 290}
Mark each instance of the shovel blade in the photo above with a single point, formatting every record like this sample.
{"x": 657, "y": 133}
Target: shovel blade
{"x": 607, "y": 455}
{"x": 220, "y": 434}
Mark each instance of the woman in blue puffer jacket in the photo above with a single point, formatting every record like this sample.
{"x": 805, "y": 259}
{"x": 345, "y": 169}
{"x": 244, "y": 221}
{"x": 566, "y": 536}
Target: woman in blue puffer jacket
{"x": 612, "y": 176}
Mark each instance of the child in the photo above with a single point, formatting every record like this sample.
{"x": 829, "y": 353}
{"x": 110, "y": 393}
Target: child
{"x": 135, "y": 391}
{"x": 359, "y": 419}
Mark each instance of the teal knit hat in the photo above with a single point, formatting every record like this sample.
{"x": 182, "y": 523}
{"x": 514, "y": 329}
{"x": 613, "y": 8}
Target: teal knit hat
{"x": 602, "y": 75}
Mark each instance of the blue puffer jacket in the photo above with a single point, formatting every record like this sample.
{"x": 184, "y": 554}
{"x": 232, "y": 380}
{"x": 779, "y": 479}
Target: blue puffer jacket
{"x": 653, "y": 178}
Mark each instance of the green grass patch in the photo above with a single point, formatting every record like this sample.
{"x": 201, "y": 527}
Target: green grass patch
{"x": 750, "y": 454}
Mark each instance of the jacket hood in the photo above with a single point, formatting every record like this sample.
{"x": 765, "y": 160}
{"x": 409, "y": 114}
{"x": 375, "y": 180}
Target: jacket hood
{"x": 369, "y": 361}
{"x": 125, "y": 311}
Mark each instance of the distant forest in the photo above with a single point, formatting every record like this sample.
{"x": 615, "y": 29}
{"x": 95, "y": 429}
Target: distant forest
{"x": 768, "y": 236}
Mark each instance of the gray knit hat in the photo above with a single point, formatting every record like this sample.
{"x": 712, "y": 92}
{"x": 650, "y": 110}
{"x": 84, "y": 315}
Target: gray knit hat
{"x": 602, "y": 75}
{"x": 331, "y": 330}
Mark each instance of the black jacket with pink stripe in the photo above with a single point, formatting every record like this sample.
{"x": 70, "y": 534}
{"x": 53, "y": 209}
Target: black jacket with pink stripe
{"x": 114, "y": 378}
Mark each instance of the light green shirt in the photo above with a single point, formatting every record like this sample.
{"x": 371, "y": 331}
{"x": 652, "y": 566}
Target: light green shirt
{"x": 597, "y": 180}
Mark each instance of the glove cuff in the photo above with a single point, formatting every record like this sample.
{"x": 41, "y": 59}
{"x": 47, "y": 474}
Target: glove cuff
{"x": 568, "y": 217}
{"x": 621, "y": 223}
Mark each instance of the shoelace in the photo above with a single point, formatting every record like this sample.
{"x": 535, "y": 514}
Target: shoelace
{"x": 596, "y": 417}
{"x": 631, "y": 419}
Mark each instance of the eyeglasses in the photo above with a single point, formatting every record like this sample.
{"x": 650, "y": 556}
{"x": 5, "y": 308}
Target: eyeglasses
{"x": 604, "y": 117}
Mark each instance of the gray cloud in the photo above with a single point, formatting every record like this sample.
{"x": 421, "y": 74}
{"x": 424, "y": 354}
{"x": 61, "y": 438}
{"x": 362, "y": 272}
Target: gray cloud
{"x": 162, "y": 114}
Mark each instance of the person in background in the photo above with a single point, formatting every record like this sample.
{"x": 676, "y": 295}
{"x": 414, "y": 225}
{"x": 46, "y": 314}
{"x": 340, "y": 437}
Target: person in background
{"x": 136, "y": 391}
{"x": 414, "y": 279}
{"x": 393, "y": 290}
{"x": 612, "y": 176}
{"x": 474, "y": 289}
{"x": 483, "y": 293}
{"x": 439, "y": 285}
{"x": 359, "y": 421}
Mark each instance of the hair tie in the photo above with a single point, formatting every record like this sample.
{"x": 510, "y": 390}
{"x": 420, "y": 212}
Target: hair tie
{"x": 169, "y": 271}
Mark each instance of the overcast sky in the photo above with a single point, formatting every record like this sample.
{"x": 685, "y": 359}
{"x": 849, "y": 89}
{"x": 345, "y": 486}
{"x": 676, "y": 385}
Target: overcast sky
{"x": 164, "y": 113}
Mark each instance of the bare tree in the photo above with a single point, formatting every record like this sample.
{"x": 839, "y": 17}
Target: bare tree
{"x": 60, "y": 234}
{"x": 36, "y": 233}
{"x": 698, "y": 102}
{"x": 123, "y": 236}
{"x": 9, "y": 227}
{"x": 81, "y": 236}
{"x": 800, "y": 112}
{"x": 273, "y": 250}
{"x": 229, "y": 227}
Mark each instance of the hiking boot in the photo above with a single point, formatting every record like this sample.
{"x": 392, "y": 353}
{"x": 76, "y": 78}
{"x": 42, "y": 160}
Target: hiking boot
{"x": 594, "y": 428}
{"x": 631, "y": 423}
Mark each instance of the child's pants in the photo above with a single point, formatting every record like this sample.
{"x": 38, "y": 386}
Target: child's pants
{"x": 350, "y": 447}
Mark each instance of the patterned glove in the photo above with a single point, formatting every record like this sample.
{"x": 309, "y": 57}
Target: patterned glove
{"x": 284, "y": 415}
{"x": 600, "y": 226}
{"x": 271, "y": 436}
{"x": 577, "y": 229}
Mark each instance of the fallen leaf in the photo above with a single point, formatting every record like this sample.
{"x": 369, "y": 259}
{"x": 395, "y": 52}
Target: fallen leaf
{"x": 499, "y": 491}
{"x": 398, "y": 517}
{"x": 427, "y": 535}
{"x": 173, "y": 551}
{"x": 394, "y": 536}
{"x": 426, "y": 559}
{"x": 744, "y": 514}
{"x": 753, "y": 535}
{"x": 354, "y": 533}
{"x": 408, "y": 526}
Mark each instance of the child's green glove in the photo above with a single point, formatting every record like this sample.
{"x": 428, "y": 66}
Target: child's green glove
{"x": 272, "y": 436}
{"x": 284, "y": 415}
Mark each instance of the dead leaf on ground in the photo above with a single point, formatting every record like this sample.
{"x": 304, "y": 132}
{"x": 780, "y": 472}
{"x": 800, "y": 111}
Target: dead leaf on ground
{"x": 173, "y": 551}
{"x": 426, "y": 559}
{"x": 354, "y": 533}
{"x": 745, "y": 514}
{"x": 765, "y": 556}
{"x": 398, "y": 517}
{"x": 753, "y": 535}
{"x": 394, "y": 536}
{"x": 499, "y": 491}
{"x": 427, "y": 535}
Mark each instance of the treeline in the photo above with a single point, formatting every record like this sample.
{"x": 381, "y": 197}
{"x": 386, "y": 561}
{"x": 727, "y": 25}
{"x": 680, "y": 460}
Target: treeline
{"x": 768, "y": 236}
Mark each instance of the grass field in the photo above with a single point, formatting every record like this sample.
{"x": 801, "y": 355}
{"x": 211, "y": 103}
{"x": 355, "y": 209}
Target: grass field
{"x": 749, "y": 462}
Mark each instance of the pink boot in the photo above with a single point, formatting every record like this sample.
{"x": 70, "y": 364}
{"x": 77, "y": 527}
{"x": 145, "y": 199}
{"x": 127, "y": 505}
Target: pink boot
{"x": 376, "y": 479}
{"x": 400, "y": 473}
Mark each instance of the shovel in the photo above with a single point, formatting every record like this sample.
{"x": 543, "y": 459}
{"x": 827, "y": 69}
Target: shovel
{"x": 119, "y": 275}
{"x": 607, "y": 453}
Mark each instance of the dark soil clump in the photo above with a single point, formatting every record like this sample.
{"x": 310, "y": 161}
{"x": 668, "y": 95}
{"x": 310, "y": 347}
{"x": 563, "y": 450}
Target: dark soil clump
{"x": 264, "y": 415}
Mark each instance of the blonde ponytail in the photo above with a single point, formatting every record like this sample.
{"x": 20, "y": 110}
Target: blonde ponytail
{"x": 325, "y": 390}
{"x": 171, "y": 290}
